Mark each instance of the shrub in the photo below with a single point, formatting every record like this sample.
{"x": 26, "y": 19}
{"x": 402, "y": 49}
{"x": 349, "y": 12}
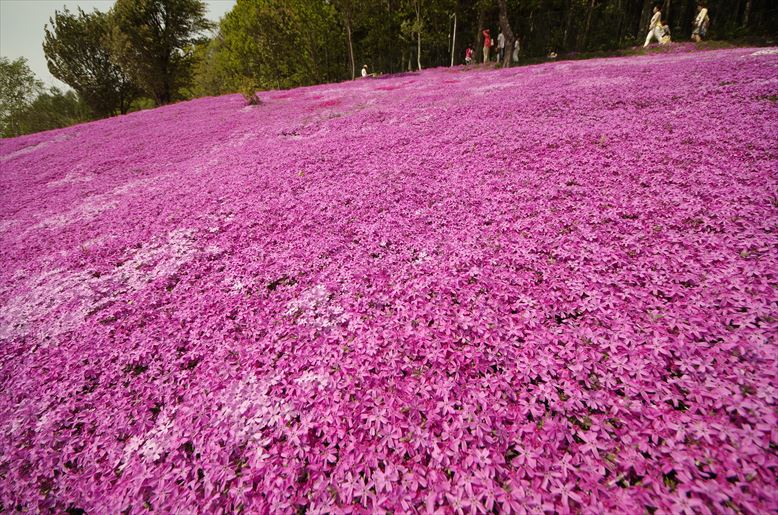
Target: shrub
{"x": 249, "y": 89}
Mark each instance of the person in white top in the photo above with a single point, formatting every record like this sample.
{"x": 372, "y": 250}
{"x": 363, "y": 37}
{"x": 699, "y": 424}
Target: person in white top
{"x": 655, "y": 27}
{"x": 501, "y": 45}
{"x": 701, "y": 22}
{"x": 364, "y": 71}
{"x": 516, "y": 48}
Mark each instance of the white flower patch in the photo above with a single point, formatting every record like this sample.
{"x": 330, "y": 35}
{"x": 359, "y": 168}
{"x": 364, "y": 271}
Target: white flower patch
{"x": 151, "y": 450}
{"x": 315, "y": 308}
{"x": 312, "y": 378}
{"x": 131, "y": 448}
{"x": 490, "y": 88}
{"x": 159, "y": 258}
{"x": 213, "y": 250}
{"x": 88, "y": 210}
{"x": 766, "y": 51}
{"x": 151, "y": 446}
{"x": 57, "y": 296}
{"x": 237, "y": 284}
{"x": 247, "y": 409}
{"x": 599, "y": 82}
{"x": 73, "y": 177}
{"x": 132, "y": 186}
{"x": 6, "y": 225}
{"x": 32, "y": 148}
{"x": 421, "y": 258}
{"x": 236, "y": 142}
{"x": 92, "y": 207}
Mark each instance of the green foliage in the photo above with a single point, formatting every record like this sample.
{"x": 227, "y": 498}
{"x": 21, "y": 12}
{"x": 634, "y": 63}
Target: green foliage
{"x": 141, "y": 103}
{"x": 154, "y": 40}
{"x": 18, "y": 89}
{"x": 276, "y": 44}
{"x": 380, "y": 39}
{"x": 77, "y": 53}
{"x": 249, "y": 91}
{"x": 52, "y": 110}
{"x": 210, "y": 78}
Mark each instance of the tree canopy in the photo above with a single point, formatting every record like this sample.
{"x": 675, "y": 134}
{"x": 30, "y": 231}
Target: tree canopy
{"x": 274, "y": 44}
{"x": 153, "y": 41}
{"x": 77, "y": 53}
{"x": 25, "y": 106}
{"x": 18, "y": 89}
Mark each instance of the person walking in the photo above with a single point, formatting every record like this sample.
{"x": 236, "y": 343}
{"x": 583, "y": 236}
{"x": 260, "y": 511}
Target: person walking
{"x": 469, "y": 55}
{"x": 654, "y": 27}
{"x": 701, "y": 22}
{"x": 516, "y": 48}
{"x": 487, "y": 45}
{"x": 500, "y": 46}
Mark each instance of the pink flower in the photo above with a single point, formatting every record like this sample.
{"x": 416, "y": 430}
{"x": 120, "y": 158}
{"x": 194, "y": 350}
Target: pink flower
{"x": 354, "y": 298}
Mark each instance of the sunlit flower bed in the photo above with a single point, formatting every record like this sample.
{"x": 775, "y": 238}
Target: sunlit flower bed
{"x": 549, "y": 288}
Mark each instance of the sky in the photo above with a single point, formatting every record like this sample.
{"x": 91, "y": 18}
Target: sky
{"x": 22, "y": 21}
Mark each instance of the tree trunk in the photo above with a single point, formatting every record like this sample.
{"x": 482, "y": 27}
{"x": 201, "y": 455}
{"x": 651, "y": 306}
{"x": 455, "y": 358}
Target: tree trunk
{"x": 418, "y": 34}
{"x": 747, "y": 14}
{"x": 585, "y": 38}
{"x": 505, "y": 26}
{"x": 478, "y": 47}
{"x": 454, "y": 41}
{"x": 327, "y": 68}
{"x": 124, "y": 105}
{"x": 567, "y": 23}
{"x": 350, "y": 48}
{"x": 645, "y": 19}
{"x": 679, "y": 19}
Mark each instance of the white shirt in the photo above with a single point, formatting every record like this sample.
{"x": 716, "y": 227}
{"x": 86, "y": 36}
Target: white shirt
{"x": 364, "y": 72}
{"x": 655, "y": 20}
{"x": 501, "y": 40}
{"x": 701, "y": 17}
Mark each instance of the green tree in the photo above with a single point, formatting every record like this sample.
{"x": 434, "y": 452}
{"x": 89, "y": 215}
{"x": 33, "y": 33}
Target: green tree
{"x": 350, "y": 11}
{"x": 53, "y": 109}
{"x": 18, "y": 89}
{"x": 379, "y": 38}
{"x": 77, "y": 53}
{"x": 210, "y": 76}
{"x": 279, "y": 44}
{"x": 153, "y": 40}
{"x": 505, "y": 27}
{"x": 417, "y": 28}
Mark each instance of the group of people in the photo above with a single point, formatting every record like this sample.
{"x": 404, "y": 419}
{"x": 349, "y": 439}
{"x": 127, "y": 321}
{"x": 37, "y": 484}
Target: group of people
{"x": 489, "y": 44}
{"x": 660, "y": 30}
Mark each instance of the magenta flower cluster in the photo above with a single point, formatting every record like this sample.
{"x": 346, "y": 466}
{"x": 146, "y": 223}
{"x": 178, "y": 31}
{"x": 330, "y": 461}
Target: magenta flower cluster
{"x": 544, "y": 289}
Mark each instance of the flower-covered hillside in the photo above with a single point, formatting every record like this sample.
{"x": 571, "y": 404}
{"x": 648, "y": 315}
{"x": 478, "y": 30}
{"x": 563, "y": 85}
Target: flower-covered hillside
{"x": 548, "y": 288}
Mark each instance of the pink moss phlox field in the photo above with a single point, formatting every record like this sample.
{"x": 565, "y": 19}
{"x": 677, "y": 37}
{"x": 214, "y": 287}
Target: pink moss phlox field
{"x": 548, "y": 288}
